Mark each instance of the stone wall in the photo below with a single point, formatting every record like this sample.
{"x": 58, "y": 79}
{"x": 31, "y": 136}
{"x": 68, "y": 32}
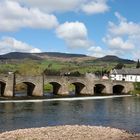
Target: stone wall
{"x": 84, "y": 85}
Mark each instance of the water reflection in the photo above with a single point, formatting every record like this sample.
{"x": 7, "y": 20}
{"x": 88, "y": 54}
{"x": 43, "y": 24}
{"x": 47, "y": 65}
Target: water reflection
{"x": 116, "y": 112}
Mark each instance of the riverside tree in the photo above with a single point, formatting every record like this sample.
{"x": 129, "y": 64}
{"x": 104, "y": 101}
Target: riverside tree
{"x": 138, "y": 64}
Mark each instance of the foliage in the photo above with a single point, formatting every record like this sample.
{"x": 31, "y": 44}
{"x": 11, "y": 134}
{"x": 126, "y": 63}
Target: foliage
{"x": 75, "y": 73}
{"x": 51, "y": 72}
{"x": 5, "y": 68}
{"x": 48, "y": 87}
{"x": 137, "y": 85}
{"x": 29, "y": 68}
{"x": 136, "y": 88}
{"x": 119, "y": 66}
{"x": 54, "y": 67}
{"x": 71, "y": 87}
{"x": 138, "y": 64}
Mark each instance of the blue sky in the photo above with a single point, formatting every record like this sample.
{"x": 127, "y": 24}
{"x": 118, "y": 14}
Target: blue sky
{"x": 92, "y": 27}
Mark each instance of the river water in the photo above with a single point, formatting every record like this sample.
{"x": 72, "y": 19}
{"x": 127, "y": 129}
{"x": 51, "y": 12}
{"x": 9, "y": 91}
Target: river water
{"x": 123, "y": 112}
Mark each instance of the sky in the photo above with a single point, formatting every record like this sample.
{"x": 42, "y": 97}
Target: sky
{"x": 91, "y": 27}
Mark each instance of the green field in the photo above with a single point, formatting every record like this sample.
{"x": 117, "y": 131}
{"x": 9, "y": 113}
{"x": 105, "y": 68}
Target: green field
{"x": 36, "y": 67}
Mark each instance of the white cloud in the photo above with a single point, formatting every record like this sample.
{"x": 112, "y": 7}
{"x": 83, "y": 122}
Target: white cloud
{"x": 124, "y": 27}
{"x": 52, "y": 5}
{"x": 96, "y": 6}
{"x": 119, "y": 43}
{"x": 90, "y": 7}
{"x": 9, "y": 44}
{"x": 74, "y": 34}
{"x": 123, "y": 37}
{"x": 97, "y": 51}
{"x": 14, "y": 16}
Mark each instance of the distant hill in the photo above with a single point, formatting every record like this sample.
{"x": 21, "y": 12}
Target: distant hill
{"x": 112, "y": 58}
{"x": 36, "y": 56}
{"x": 18, "y": 55}
{"x": 63, "y": 57}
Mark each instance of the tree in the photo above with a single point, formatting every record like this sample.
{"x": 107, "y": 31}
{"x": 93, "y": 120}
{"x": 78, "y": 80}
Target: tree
{"x": 119, "y": 66}
{"x": 51, "y": 72}
{"x": 50, "y": 65}
{"x": 29, "y": 67}
{"x": 138, "y": 64}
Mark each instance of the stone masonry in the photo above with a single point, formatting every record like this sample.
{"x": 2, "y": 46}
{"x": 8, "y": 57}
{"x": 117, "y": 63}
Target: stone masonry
{"x": 86, "y": 85}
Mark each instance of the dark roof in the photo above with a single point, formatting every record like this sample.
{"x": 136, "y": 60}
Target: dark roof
{"x": 127, "y": 71}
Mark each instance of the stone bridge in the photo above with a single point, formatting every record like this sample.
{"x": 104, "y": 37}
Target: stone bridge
{"x": 85, "y": 85}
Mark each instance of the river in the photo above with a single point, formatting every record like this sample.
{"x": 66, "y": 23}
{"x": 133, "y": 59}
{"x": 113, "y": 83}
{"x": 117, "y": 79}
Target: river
{"x": 122, "y": 112}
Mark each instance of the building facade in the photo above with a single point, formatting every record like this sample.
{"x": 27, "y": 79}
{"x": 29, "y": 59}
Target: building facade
{"x": 126, "y": 74}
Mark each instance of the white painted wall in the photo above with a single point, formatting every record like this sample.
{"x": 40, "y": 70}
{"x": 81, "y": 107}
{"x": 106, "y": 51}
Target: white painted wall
{"x": 129, "y": 78}
{"x": 133, "y": 78}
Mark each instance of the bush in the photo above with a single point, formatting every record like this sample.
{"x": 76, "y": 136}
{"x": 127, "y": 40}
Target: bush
{"x": 75, "y": 73}
{"x": 137, "y": 85}
{"x": 51, "y": 72}
{"x": 136, "y": 88}
{"x": 48, "y": 87}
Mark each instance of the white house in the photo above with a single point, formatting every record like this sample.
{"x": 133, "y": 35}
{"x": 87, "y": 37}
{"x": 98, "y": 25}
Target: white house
{"x": 126, "y": 74}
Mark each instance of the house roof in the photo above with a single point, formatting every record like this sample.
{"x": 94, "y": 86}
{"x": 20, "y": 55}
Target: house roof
{"x": 127, "y": 71}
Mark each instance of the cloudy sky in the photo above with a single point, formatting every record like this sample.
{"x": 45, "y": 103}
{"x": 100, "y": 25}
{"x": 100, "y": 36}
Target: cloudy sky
{"x": 91, "y": 27}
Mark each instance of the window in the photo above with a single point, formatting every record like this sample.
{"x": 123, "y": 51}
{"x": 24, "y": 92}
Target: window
{"x": 119, "y": 77}
{"x": 124, "y": 75}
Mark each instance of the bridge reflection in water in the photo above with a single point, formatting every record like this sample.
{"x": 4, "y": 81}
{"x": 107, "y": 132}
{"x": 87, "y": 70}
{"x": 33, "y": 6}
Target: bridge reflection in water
{"x": 84, "y": 85}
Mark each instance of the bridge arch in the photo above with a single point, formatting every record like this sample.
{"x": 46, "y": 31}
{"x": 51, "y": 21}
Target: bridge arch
{"x": 118, "y": 89}
{"x": 78, "y": 87}
{"x": 25, "y": 89}
{"x": 99, "y": 89}
{"x": 2, "y": 87}
{"x": 55, "y": 87}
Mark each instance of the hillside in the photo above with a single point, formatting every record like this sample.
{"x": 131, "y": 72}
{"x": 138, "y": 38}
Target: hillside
{"x": 36, "y": 63}
{"x": 45, "y": 56}
{"x": 20, "y": 55}
{"x": 113, "y": 59}
{"x": 63, "y": 57}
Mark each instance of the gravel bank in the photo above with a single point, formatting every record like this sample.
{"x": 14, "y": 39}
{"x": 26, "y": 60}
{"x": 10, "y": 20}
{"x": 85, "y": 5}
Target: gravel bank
{"x": 68, "y": 132}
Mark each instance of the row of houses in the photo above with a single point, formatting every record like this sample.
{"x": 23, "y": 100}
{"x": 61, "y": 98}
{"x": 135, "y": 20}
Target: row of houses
{"x": 126, "y": 74}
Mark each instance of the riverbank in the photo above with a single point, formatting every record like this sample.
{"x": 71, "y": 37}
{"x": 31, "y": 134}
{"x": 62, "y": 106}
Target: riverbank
{"x": 68, "y": 132}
